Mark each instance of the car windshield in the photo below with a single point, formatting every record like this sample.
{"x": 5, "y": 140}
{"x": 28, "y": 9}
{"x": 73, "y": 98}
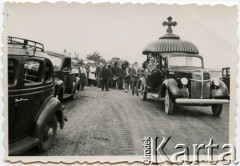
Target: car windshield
{"x": 56, "y": 61}
{"x": 185, "y": 61}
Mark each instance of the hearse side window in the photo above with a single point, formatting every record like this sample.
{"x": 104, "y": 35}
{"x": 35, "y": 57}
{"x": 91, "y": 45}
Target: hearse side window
{"x": 48, "y": 72}
{"x": 12, "y": 69}
{"x": 32, "y": 72}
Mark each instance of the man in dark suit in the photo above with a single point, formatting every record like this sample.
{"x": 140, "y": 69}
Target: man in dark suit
{"x": 105, "y": 76}
{"x": 98, "y": 74}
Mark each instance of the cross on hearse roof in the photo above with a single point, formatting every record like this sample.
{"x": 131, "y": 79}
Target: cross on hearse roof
{"x": 169, "y": 23}
{"x": 26, "y": 44}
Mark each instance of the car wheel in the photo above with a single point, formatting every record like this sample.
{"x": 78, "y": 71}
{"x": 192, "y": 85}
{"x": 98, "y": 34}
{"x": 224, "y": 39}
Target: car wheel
{"x": 48, "y": 133}
{"x": 217, "y": 109}
{"x": 143, "y": 94}
{"x": 169, "y": 104}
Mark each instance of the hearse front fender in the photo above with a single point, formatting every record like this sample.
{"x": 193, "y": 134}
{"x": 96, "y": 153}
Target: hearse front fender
{"x": 174, "y": 91}
{"x": 52, "y": 108}
{"x": 220, "y": 92}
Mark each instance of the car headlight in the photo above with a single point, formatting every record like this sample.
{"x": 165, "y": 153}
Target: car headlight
{"x": 216, "y": 82}
{"x": 184, "y": 81}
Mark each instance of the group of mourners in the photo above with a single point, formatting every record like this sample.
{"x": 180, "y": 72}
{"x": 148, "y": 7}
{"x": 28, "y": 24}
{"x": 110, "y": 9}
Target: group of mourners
{"x": 110, "y": 75}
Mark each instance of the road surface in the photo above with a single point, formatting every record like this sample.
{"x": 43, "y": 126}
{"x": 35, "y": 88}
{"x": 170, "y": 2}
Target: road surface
{"x": 114, "y": 123}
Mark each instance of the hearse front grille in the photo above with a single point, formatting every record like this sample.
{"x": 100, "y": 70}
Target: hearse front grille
{"x": 200, "y": 85}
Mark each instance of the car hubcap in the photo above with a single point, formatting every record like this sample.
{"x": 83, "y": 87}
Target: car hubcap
{"x": 48, "y": 133}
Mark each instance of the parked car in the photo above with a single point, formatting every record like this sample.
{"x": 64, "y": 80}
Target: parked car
{"x": 226, "y": 76}
{"x": 67, "y": 82}
{"x": 33, "y": 112}
{"x": 174, "y": 73}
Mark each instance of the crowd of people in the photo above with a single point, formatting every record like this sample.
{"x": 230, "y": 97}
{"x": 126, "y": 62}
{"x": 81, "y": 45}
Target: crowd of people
{"x": 110, "y": 75}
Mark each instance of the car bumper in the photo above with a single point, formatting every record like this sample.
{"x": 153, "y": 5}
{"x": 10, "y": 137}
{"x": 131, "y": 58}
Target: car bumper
{"x": 201, "y": 101}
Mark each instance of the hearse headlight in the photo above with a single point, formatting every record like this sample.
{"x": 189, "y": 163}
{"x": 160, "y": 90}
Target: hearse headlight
{"x": 184, "y": 81}
{"x": 216, "y": 82}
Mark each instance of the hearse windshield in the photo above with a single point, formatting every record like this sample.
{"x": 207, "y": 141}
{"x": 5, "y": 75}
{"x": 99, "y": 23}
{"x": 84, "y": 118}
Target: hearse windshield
{"x": 56, "y": 61}
{"x": 185, "y": 61}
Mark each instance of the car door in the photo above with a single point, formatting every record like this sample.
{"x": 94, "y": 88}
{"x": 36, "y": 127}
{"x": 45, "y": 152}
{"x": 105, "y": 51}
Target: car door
{"x": 33, "y": 93}
{"x": 13, "y": 91}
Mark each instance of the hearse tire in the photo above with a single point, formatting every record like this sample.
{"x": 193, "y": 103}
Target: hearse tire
{"x": 217, "y": 109}
{"x": 48, "y": 133}
{"x": 169, "y": 104}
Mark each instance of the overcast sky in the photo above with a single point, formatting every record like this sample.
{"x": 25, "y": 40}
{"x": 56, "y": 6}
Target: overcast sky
{"x": 123, "y": 31}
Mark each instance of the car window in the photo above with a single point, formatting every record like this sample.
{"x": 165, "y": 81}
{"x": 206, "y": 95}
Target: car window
{"x": 224, "y": 72}
{"x": 48, "y": 72}
{"x": 67, "y": 64}
{"x": 56, "y": 61}
{"x": 12, "y": 69}
{"x": 185, "y": 61}
{"x": 228, "y": 72}
{"x": 32, "y": 72}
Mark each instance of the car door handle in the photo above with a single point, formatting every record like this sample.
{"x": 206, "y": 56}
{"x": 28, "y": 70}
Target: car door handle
{"x": 21, "y": 99}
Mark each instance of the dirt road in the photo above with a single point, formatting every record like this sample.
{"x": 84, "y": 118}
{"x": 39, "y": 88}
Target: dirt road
{"x": 114, "y": 123}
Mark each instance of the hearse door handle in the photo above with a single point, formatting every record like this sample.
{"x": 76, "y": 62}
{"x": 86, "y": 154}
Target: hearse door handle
{"x": 21, "y": 99}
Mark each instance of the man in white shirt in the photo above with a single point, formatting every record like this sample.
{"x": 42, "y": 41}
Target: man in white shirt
{"x": 83, "y": 76}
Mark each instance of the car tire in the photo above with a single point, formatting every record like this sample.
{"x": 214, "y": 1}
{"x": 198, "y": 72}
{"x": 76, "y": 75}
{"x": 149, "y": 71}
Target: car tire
{"x": 217, "y": 109}
{"x": 48, "y": 133}
{"x": 143, "y": 94}
{"x": 169, "y": 104}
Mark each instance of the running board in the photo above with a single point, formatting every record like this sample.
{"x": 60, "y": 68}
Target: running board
{"x": 22, "y": 145}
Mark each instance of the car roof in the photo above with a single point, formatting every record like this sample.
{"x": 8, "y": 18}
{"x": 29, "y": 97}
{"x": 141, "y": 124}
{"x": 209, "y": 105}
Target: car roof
{"x": 18, "y": 51}
{"x": 62, "y": 55}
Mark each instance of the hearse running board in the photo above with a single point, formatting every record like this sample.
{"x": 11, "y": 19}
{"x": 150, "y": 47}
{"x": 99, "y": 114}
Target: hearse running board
{"x": 22, "y": 145}
{"x": 201, "y": 101}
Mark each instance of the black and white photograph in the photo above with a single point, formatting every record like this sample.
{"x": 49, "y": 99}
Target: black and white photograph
{"x": 119, "y": 82}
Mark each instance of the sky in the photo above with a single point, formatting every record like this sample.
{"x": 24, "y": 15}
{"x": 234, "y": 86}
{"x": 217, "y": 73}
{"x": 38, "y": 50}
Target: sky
{"x": 123, "y": 30}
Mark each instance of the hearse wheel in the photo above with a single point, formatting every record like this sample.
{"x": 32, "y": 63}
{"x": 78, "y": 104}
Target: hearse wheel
{"x": 48, "y": 133}
{"x": 169, "y": 104}
{"x": 143, "y": 94}
{"x": 217, "y": 109}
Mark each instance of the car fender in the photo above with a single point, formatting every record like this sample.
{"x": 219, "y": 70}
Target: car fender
{"x": 51, "y": 107}
{"x": 220, "y": 92}
{"x": 59, "y": 84}
{"x": 174, "y": 91}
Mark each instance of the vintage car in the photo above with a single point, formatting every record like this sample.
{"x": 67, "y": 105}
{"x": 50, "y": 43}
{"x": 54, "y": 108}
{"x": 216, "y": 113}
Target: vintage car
{"x": 33, "y": 111}
{"x": 67, "y": 82}
{"x": 226, "y": 76}
{"x": 174, "y": 73}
